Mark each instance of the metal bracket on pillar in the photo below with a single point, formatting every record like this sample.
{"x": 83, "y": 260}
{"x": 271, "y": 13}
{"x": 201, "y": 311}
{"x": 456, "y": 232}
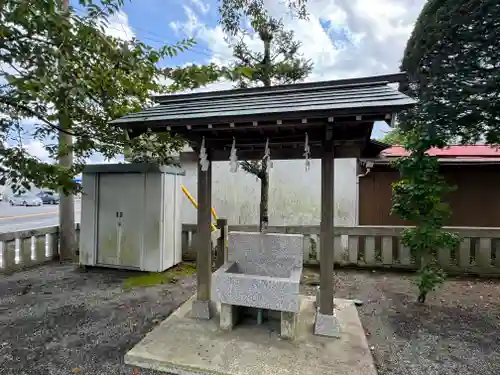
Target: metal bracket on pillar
{"x": 328, "y": 142}
{"x": 328, "y": 132}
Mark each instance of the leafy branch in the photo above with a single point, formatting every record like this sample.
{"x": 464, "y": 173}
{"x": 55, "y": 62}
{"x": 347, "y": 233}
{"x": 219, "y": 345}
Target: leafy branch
{"x": 103, "y": 78}
{"x": 253, "y": 167}
{"x": 417, "y": 197}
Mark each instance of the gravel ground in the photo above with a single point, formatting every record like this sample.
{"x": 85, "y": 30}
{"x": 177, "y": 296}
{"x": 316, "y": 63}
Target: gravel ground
{"x": 57, "y": 320}
{"x": 456, "y": 332}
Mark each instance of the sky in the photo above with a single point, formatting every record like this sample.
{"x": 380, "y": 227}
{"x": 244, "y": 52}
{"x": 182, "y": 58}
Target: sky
{"x": 343, "y": 38}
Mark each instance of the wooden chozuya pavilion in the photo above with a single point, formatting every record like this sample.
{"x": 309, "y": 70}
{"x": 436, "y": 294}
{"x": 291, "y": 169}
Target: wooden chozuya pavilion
{"x": 336, "y": 118}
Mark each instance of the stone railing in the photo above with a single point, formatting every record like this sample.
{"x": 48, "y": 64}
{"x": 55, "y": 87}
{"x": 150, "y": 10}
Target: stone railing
{"x": 380, "y": 247}
{"x": 360, "y": 246}
{"x": 28, "y": 248}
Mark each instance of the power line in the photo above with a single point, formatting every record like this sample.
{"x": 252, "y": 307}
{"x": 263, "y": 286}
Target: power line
{"x": 195, "y": 49}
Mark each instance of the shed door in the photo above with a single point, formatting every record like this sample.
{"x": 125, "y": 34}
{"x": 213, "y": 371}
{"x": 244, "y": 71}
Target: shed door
{"x": 120, "y": 219}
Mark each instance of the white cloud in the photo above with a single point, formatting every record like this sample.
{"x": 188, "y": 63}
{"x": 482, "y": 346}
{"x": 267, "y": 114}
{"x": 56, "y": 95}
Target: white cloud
{"x": 222, "y": 85}
{"x": 118, "y": 26}
{"x": 37, "y": 149}
{"x": 203, "y": 7}
{"x": 377, "y": 32}
{"x": 99, "y": 159}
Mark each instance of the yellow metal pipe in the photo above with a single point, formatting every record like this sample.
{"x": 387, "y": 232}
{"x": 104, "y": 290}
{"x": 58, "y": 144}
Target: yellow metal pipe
{"x": 195, "y": 204}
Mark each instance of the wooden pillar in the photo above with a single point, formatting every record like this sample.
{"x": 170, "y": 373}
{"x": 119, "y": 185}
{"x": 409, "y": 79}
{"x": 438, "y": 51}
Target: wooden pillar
{"x": 203, "y": 234}
{"x": 327, "y": 233}
{"x": 201, "y": 306}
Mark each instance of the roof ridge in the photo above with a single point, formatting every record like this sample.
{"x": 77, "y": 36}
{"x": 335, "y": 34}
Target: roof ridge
{"x": 303, "y": 86}
{"x": 458, "y": 145}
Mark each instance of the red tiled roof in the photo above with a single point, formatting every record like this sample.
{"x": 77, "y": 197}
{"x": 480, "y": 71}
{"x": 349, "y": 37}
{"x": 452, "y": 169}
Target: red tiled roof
{"x": 470, "y": 151}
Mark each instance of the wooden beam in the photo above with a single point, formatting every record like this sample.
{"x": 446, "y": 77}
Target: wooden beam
{"x": 260, "y": 141}
{"x": 349, "y": 151}
{"x": 276, "y": 154}
{"x": 290, "y": 142}
{"x": 261, "y": 126}
{"x": 343, "y": 130}
{"x": 340, "y": 115}
{"x": 343, "y": 149}
{"x": 260, "y": 144}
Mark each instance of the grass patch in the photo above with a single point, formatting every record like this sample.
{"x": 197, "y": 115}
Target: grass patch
{"x": 170, "y": 276}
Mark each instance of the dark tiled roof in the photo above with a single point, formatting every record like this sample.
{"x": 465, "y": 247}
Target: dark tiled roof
{"x": 355, "y": 96}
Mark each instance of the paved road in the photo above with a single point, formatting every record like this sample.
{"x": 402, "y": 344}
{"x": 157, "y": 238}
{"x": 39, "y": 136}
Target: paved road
{"x": 22, "y": 218}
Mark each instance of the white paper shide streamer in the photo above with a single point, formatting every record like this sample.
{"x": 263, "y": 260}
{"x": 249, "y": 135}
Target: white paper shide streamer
{"x": 233, "y": 158}
{"x": 307, "y": 153}
{"x": 204, "y": 163}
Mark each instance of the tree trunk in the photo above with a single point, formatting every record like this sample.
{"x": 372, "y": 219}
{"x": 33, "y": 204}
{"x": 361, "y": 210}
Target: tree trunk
{"x": 264, "y": 197}
{"x": 266, "y": 62}
{"x": 67, "y": 240}
{"x": 264, "y": 173}
{"x": 421, "y": 297}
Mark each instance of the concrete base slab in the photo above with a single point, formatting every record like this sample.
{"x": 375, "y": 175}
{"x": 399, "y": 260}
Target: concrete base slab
{"x": 201, "y": 309}
{"x": 327, "y": 325}
{"x": 182, "y": 345}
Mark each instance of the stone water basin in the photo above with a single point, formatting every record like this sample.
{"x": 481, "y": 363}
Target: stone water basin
{"x": 263, "y": 271}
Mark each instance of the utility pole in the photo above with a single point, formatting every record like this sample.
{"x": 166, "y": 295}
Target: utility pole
{"x": 67, "y": 238}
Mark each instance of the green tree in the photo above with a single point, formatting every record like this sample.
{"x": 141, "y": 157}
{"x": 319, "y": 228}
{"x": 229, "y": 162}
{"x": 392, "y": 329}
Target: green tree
{"x": 452, "y": 59}
{"x": 393, "y": 137}
{"x": 280, "y": 63}
{"x": 417, "y": 197}
{"x": 453, "y": 62}
{"x": 60, "y": 73}
{"x": 103, "y": 78}
{"x": 233, "y": 14}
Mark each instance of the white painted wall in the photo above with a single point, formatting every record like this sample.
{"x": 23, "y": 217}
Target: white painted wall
{"x": 294, "y": 194}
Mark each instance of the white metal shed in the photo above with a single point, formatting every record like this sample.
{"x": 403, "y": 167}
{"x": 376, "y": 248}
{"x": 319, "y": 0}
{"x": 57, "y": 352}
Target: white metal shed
{"x": 131, "y": 216}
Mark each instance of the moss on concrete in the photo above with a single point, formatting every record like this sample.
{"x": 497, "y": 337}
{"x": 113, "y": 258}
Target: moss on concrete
{"x": 170, "y": 276}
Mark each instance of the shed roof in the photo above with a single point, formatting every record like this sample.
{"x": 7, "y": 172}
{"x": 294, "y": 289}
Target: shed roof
{"x": 280, "y": 114}
{"x": 452, "y": 151}
{"x": 451, "y": 155}
{"x": 132, "y": 168}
